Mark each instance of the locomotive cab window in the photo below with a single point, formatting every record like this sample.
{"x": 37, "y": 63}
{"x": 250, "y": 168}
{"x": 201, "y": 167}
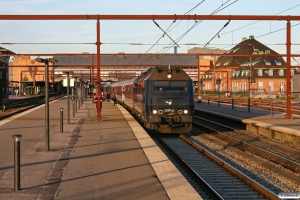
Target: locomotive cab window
{"x": 170, "y": 86}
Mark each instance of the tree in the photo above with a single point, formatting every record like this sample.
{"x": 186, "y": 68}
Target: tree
{"x": 25, "y": 78}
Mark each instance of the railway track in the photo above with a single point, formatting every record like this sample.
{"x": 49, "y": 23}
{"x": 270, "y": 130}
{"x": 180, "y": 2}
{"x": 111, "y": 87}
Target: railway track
{"x": 278, "y": 153}
{"x": 275, "y": 165}
{"x": 215, "y": 179}
{"x": 21, "y": 105}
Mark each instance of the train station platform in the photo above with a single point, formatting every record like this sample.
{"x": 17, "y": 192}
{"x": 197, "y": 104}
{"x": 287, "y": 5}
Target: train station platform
{"x": 258, "y": 121}
{"x": 110, "y": 159}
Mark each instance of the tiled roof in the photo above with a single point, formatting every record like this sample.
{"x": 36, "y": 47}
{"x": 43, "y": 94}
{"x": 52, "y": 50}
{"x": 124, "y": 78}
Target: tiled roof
{"x": 5, "y": 51}
{"x": 250, "y": 46}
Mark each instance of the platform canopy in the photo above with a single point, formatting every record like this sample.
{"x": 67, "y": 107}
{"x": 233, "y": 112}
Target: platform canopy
{"x": 128, "y": 60}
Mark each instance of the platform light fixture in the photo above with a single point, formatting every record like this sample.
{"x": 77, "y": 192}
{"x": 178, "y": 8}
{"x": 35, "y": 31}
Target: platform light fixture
{"x": 46, "y": 61}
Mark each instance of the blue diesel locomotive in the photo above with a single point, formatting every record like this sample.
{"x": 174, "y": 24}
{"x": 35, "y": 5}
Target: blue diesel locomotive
{"x": 162, "y": 98}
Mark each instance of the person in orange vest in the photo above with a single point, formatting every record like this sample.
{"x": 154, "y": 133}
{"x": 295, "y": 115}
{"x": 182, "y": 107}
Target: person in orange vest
{"x": 96, "y": 102}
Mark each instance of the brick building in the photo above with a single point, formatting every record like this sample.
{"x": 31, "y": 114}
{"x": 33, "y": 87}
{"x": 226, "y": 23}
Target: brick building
{"x": 266, "y": 75}
{"x": 29, "y": 75}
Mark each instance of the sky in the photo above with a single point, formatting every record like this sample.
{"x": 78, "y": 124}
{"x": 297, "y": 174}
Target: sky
{"x": 118, "y": 36}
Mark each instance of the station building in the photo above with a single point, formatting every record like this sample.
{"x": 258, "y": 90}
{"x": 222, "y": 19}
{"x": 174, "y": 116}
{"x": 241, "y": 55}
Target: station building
{"x": 28, "y": 76}
{"x": 266, "y": 75}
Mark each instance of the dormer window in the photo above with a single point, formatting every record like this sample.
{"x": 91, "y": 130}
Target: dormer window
{"x": 235, "y": 50}
{"x": 238, "y": 73}
{"x": 267, "y": 62}
{"x": 226, "y": 63}
{"x": 281, "y": 72}
{"x": 259, "y": 72}
{"x": 243, "y": 72}
{"x": 270, "y": 72}
{"x": 247, "y": 72}
{"x": 267, "y": 51}
{"x": 278, "y": 62}
{"x": 233, "y": 74}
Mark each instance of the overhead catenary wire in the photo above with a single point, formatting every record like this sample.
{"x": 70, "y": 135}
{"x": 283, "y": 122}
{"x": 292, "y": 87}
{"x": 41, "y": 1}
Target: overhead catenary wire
{"x": 176, "y": 24}
{"x": 266, "y": 35}
{"x": 198, "y": 22}
{"x": 216, "y": 34}
{"x": 259, "y": 20}
{"x": 172, "y": 28}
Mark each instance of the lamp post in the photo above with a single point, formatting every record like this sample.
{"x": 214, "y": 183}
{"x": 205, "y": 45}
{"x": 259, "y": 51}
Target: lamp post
{"x": 46, "y": 61}
{"x": 68, "y": 96}
{"x": 75, "y": 84}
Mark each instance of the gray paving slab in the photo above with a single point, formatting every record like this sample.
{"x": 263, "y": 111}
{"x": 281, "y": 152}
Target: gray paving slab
{"x": 40, "y": 170}
{"x": 108, "y": 162}
{"x": 89, "y": 160}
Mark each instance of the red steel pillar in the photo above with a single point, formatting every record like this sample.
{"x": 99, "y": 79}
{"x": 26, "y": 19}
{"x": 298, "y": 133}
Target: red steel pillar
{"x": 21, "y": 85}
{"x": 99, "y": 117}
{"x": 199, "y": 84}
{"x": 288, "y": 114}
{"x": 92, "y": 81}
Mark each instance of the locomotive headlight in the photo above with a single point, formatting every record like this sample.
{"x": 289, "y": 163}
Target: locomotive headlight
{"x": 169, "y": 76}
{"x": 185, "y": 111}
{"x": 154, "y": 112}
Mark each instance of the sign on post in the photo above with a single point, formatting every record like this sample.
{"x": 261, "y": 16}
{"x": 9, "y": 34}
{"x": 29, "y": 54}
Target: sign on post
{"x": 218, "y": 81}
{"x": 65, "y": 82}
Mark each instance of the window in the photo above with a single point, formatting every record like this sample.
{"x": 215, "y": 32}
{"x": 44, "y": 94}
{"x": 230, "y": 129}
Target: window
{"x": 281, "y": 87}
{"x": 260, "y": 86}
{"x": 170, "y": 85}
{"x": 292, "y": 72}
{"x": 267, "y": 62}
{"x": 278, "y": 62}
{"x": 233, "y": 74}
{"x": 281, "y": 72}
{"x": 243, "y": 72}
{"x": 259, "y": 72}
{"x": 247, "y": 72}
{"x": 271, "y": 86}
{"x": 270, "y": 72}
{"x": 235, "y": 50}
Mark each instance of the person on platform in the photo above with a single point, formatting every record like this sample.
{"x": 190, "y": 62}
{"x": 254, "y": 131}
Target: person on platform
{"x": 115, "y": 99}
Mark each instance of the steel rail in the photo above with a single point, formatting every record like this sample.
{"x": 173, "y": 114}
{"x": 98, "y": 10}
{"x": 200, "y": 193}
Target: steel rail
{"x": 258, "y": 187}
{"x": 278, "y": 159}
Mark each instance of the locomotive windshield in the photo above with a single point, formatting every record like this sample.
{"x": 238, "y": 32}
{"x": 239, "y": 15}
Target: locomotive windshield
{"x": 170, "y": 86}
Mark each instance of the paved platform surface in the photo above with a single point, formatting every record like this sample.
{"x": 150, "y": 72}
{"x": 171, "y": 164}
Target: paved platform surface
{"x": 257, "y": 116}
{"x": 111, "y": 159}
